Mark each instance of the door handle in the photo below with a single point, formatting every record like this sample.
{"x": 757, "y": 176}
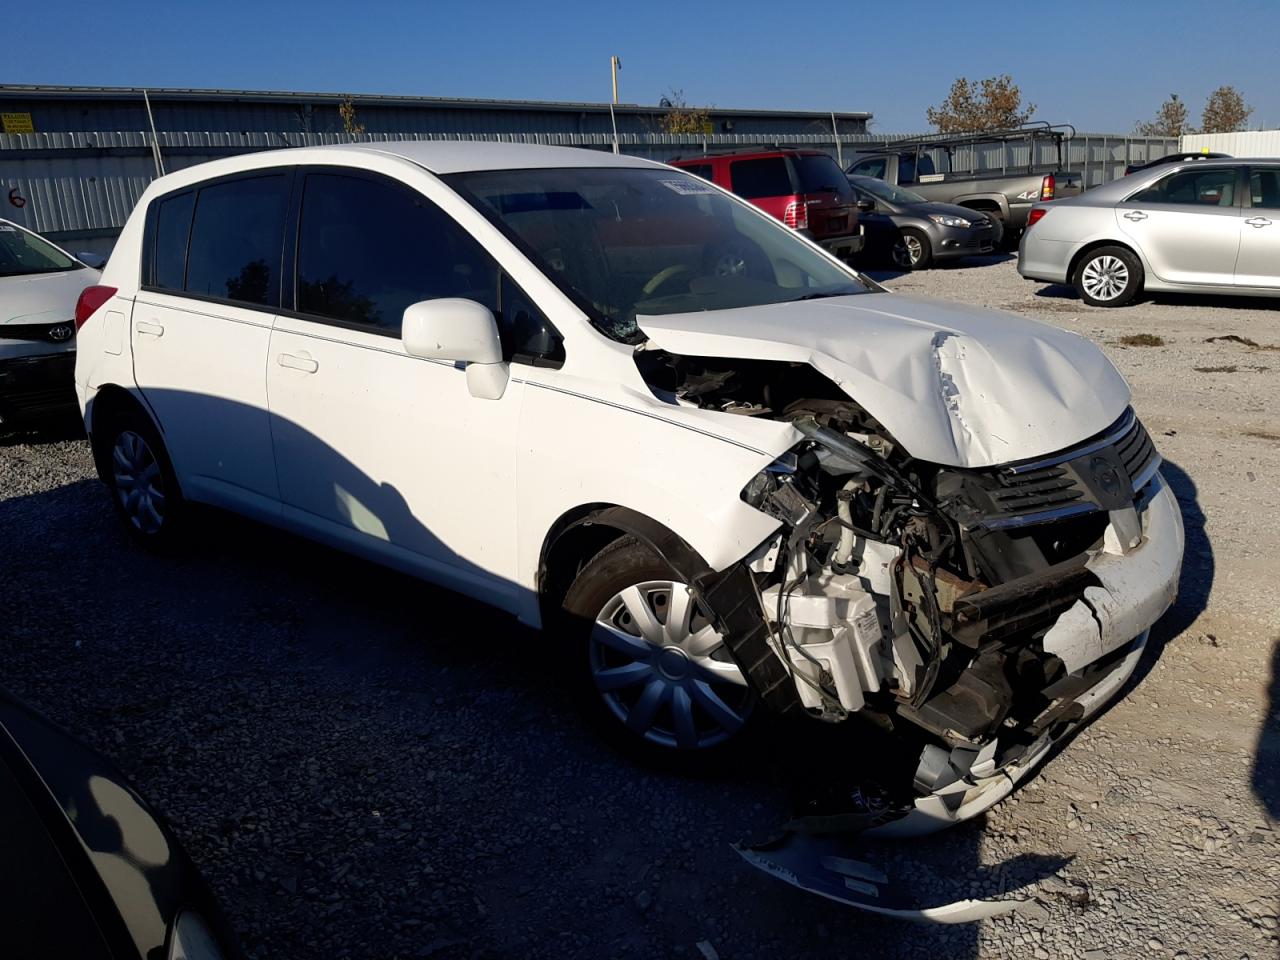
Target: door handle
{"x": 1135, "y": 215}
{"x": 293, "y": 362}
{"x": 1258, "y": 222}
{"x": 149, "y": 328}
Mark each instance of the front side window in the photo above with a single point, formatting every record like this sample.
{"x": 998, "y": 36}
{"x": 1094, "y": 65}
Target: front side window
{"x": 1264, "y": 189}
{"x": 623, "y": 242}
{"x": 765, "y": 177}
{"x": 369, "y": 248}
{"x": 24, "y": 253}
{"x": 237, "y": 238}
{"x": 1215, "y": 187}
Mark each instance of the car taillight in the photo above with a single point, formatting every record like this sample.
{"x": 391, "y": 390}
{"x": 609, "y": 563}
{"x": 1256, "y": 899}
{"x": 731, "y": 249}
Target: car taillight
{"x": 1047, "y": 186}
{"x": 91, "y": 298}
{"x": 796, "y": 215}
{"x": 1035, "y": 216}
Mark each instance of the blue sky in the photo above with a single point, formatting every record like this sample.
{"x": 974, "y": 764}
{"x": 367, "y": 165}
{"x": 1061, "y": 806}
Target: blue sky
{"x": 1102, "y": 66}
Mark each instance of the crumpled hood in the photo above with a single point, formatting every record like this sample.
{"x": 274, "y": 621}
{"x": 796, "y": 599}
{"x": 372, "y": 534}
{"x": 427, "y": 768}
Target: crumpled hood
{"x": 43, "y": 297}
{"x": 955, "y": 385}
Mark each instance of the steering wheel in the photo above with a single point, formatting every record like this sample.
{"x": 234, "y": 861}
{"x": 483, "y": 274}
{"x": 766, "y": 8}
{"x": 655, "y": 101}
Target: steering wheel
{"x": 662, "y": 276}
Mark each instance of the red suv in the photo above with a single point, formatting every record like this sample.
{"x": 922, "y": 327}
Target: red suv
{"x": 805, "y": 189}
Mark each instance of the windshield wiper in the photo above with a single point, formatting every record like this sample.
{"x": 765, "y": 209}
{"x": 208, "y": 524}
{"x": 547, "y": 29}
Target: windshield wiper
{"x": 823, "y": 296}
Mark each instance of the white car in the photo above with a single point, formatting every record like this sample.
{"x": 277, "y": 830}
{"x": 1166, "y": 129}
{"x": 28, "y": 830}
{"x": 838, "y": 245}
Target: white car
{"x": 39, "y": 284}
{"x": 720, "y": 469}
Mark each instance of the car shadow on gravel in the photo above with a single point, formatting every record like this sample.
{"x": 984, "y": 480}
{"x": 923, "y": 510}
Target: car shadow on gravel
{"x": 365, "y": 765}
{"x": 1063, "y": 291}
{"x": 52, "y": 430}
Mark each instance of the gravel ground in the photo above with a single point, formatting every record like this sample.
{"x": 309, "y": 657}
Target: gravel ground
{"x": 367, "y": 767}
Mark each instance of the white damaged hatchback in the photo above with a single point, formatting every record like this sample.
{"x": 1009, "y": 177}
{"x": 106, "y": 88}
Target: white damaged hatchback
{"x": 723, "y": 471}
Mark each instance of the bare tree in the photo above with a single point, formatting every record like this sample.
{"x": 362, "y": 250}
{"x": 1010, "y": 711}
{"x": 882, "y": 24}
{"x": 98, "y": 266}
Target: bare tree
{"x": 347, "y": 111}
{"x": 1225, "y": 111}
{"x": 973, "y": 106}
{"x": 680, "y": 117}
{"x": 1170, "y": 120}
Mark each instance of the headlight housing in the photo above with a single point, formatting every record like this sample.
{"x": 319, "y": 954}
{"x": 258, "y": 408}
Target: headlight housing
{"x": 946, "y": 220}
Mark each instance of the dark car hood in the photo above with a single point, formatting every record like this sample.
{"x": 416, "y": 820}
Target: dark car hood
{"x": 140, "y": 864}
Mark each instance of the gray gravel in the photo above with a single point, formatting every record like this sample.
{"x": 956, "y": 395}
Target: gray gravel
{"x": 365, "y": 766}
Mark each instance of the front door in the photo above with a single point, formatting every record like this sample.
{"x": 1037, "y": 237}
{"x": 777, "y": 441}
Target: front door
{"x": 380, "y": 451}
{"x": 200, "y": 330}
{"x": 1187, "y": 225}
{"x": 1259, "y": 262}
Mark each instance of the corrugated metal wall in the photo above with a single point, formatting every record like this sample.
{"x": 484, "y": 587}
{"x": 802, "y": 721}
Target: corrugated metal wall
{"x": 1246, "y": 143}
{"x": 80, "y": 186}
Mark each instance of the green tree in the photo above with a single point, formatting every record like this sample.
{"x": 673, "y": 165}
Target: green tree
{"x": 1225, "y": 111}
{"x": 973, "y": 106}
{"x": 1170, "y": 120}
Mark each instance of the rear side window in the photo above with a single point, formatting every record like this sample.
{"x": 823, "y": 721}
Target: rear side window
{"x": 369, "y": 248}
{"x": 173, "y": 228}
{"x": 1209, "y": 188}
{"x": 236, "y": 240}
{"x": 821, "y": 174}
{"x": 702, "y": 170}
{"x": 766, "y": 177}
{"x": 875, "y": 167}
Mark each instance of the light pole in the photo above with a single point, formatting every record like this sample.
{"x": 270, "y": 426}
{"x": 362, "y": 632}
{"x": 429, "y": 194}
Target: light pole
{"x": 615, "y": 64}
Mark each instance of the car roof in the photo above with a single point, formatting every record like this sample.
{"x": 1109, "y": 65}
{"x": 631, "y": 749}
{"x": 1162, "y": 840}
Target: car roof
{"x": 747, "y": 154}
{"x": 463, "y": 156}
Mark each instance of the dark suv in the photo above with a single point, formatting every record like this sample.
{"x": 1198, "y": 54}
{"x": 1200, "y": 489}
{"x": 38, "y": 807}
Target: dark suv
{"x": 805, "y": 189}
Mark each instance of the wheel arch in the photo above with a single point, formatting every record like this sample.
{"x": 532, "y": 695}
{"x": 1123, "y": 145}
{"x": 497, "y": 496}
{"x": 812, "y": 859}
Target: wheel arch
{"x": 109, "y": 402}
{"x": 1092, "y": 245}
{"x": 579, "y": 534}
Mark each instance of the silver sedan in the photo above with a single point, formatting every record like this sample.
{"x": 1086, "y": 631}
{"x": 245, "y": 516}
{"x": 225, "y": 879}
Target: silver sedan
{"x": 1198, "y": 227}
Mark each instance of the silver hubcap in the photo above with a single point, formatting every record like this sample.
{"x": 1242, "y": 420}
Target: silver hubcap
{"x": 908, "y": 251}
{"x": 139, "y": 484}
{"x": 664, "y": 671}
{"x": 1105, "y": 278}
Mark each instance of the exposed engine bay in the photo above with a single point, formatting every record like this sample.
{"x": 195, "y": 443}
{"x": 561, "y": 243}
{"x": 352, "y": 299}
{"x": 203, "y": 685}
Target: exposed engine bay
{"x": 984, "y": 612}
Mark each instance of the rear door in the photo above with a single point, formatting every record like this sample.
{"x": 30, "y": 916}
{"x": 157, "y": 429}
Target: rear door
{"x": 765, "y": 181}
{"x": 830, "y": 199}
{"x": 200, "y": 328}
{"x": 1258, "y": 264}
{"x": 1187, "y": 224}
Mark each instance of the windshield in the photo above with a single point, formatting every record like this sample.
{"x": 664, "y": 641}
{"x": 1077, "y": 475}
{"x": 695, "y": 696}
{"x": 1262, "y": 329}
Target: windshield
{"x": 624, "y": 242}
{"x": 885, "y": 191}
{"x": 23, "y": 253}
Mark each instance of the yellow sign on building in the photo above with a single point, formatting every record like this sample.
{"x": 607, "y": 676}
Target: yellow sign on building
{"x": 17, "y": 123}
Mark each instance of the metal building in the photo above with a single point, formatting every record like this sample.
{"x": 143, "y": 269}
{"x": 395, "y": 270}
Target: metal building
{"x": 74, "y": 160}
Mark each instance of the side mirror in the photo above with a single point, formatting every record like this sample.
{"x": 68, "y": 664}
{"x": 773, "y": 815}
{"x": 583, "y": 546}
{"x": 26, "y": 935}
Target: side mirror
{"x": 461, "y": 331}
{"x": 95, "y": 260}
{"x": 866, "y": 206}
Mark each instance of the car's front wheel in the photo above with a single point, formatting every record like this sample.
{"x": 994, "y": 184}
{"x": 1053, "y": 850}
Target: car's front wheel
{"x": 653, "y": 667}
{"x": 911, "y": 250}
{"x": 1108, "y": 277}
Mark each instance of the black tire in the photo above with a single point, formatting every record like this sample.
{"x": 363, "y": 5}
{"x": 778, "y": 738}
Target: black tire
{"x": 127, "y": 442}
{"x": 1108, "y": 277}
{"x": 911, "y": 250}
{"x": 629, "y": 563}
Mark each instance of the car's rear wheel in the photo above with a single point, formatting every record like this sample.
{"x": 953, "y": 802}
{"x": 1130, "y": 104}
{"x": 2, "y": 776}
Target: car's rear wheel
{"x": 911, "y": 250}
{"x": 654, "y": 669}
{"x": 1108, "y": 277}
{"x": 142, "y": 482}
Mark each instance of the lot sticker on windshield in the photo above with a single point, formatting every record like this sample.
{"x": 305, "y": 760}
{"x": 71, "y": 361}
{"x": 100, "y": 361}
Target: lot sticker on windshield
{"x": 688, "y": 186}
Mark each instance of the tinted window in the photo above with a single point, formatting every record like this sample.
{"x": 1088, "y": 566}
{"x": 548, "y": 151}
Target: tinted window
{"x": 173, "y": 227}
{"x": 821, "y": 174}
{"x": 874, "y": 167}
{"x": 369, "y": 248}
{"x": 702, "y": 170}
{"x": 236, "y": 238}
{"x": 767, "y": 177}
{"x": 1264, "y": 189}
{"x": 1210, "y": 188}
{"x": 525, "y": 330}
